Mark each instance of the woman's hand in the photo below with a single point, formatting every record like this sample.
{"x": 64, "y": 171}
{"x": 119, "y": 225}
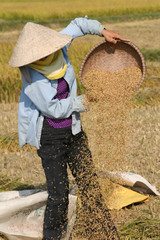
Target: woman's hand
{"x": 112, "y": 36}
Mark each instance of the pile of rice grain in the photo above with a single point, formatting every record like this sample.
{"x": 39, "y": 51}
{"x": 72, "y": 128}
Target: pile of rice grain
{"x": 112, "y": 87}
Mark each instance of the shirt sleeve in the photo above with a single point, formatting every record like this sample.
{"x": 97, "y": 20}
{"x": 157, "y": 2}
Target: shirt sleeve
{"x": 41, "y": 93}
{"x": 82, "y": 26}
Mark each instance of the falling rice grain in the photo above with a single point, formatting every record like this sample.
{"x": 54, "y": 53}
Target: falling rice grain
{"x": 108, "y": 94}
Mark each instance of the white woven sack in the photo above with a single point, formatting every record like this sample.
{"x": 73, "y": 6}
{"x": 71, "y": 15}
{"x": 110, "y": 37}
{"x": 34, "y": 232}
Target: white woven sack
{"x": 22, "y": 214}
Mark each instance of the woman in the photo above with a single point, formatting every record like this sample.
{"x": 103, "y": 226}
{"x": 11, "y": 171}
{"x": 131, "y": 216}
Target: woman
{"x": 49, "y": 119}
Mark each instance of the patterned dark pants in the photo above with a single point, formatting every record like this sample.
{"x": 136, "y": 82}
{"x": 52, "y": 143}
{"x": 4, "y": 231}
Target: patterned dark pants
{"x": 60, "y": 147}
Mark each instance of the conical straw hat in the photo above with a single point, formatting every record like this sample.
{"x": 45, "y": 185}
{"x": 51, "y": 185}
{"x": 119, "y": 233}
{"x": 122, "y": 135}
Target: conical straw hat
{"x": 35, "y": 42}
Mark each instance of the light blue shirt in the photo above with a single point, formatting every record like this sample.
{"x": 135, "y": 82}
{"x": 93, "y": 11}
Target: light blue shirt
{"x": 37, "y": 98}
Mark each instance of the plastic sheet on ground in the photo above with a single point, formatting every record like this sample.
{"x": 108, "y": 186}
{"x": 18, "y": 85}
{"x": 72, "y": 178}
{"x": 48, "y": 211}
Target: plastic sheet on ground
{"x": 22, "y": 214}
{"x": 120, "y": 197}
{"x": 125, "y": 188}
{"x": 134, "y": 181}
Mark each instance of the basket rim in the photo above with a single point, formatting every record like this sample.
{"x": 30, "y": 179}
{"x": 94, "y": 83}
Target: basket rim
{"x": 101, "y": 43}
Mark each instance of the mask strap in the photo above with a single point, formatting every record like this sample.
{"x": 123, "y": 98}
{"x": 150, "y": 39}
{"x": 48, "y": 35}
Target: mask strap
{"x": 25, "y": 73}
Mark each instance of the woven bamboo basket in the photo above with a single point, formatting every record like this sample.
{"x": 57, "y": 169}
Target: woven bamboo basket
{"x": 113, "y": 57}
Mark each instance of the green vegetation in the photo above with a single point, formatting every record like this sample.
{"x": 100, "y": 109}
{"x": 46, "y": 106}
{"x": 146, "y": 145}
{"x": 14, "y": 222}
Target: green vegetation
{"x": 8, "y": 139}
{"x": 148, "y": 228}
{"x": 152, "y": 55}
{"x": 10, "y": 83}
{"x": 8, "y": 184}
{"x": 11, "y": 23}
